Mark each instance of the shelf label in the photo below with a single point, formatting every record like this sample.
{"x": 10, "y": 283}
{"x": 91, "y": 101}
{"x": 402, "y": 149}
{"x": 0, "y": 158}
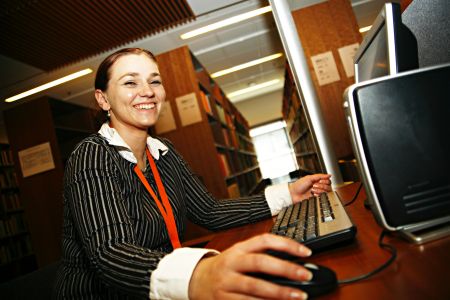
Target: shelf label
{"x": 165, "y": 122}
{"x": 36, "y": 159}
{"x": 188, "y": 109}
{"x": 325, "y": 68}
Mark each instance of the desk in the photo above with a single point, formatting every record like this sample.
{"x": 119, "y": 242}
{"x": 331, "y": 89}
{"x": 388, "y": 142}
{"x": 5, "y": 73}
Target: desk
{"x": 419, "y": 272}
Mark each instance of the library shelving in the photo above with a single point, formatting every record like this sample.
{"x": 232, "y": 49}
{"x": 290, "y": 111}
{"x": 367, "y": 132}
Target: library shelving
{"x": 52, "y": 127}
{"x": 298, "y": 128}
{"x": 217, "y": 145}
{"x": 16, "y": 252}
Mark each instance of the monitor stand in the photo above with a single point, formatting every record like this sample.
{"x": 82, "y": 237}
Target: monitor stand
{"x": 420, "y": 233}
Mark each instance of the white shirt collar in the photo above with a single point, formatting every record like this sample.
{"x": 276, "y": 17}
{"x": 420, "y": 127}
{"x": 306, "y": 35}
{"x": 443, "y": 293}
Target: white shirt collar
{"x": 114, "y": 139}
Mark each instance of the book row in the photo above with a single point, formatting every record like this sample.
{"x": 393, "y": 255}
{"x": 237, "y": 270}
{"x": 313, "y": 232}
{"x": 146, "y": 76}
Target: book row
{"x": 6, "y": 158}
{"x": 239, "y": 162}
{"x": 15, "y": 250}
{"x": 231, "y": 138}
{"x": 304, "y": 145}
{"x": 248, "y": 181}
{"x": 225, "y": 118}
{"x": 9, "y": 201}
{"x": 309, "y": 164}
{"x": 8, "y": 179}
{"x": 13, "y": 225}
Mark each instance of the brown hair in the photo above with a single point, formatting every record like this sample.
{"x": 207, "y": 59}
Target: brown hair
{"x": 103, "y": 72}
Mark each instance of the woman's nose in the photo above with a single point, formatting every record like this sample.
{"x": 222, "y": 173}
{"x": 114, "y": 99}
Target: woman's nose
{"x": 146, "y": 91}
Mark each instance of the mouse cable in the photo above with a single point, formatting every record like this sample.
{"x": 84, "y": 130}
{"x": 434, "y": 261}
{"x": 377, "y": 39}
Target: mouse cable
{"x": 384, "y": 246}
{"x": 354, "y": 197}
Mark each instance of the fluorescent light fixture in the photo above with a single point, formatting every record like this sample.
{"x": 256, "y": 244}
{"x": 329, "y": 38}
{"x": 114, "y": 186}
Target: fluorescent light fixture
{"x": 246, "y": 65}
{"x": 253, "y": 88}
{"x": 226, "y": 22}
{"x": 364, "y": 29}
{"x": 49, "y": 85}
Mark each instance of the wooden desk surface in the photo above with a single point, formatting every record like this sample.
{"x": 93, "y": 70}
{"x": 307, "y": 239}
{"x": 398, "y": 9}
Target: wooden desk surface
{"x": 419, "y": 272}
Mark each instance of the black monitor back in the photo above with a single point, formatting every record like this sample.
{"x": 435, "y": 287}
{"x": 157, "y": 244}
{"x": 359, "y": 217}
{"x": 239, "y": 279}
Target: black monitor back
{"x": 400, "y": 128}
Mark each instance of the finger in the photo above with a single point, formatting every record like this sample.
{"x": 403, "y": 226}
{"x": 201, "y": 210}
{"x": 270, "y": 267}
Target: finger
{"x": 321, "y": 187}
{"x": 318, "y": 177}
{"x": 264, "y": 263}
{"x": 268, "y": 241}
{"x": 325, "y": 181}
{"x": 260, "y": 288}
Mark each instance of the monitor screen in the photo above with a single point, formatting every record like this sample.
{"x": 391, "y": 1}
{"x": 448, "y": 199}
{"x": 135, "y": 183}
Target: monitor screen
{"x": 374, "y": 63}
{"x": 388, "y": 48}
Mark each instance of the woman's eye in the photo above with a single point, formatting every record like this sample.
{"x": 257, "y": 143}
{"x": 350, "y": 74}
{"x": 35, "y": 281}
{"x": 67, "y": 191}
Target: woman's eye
{"x": 155, "y": 82}
{"x": 130, "y": 83}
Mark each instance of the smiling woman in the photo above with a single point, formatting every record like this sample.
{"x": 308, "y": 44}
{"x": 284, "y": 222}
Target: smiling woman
{"x": 127, "y": 196}
{"x": 132, "y": 93}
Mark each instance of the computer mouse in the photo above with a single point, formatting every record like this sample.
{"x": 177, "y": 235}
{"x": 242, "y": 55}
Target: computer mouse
{"x": 323, "y": 281}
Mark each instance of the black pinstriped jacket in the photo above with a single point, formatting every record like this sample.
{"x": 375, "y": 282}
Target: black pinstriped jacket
{"x": 113, "y": 233}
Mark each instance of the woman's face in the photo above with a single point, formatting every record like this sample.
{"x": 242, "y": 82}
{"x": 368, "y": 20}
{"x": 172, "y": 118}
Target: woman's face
{"x": 135, "y": 92}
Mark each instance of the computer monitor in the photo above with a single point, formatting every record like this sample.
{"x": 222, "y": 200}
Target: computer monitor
{"x": 388, "y": 48}
{"x": 400, "y": 134}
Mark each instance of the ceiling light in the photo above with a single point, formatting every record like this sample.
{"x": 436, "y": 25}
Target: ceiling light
{"x": 246, "y": 65}
{"x": 364, "y": 29}
{"x": 253, "y": 88}
{"x": 49, "y": 85}
{"x": 226, "y": 22}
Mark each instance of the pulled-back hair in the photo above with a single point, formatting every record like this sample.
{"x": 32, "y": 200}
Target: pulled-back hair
{"x": 103, "y": 72}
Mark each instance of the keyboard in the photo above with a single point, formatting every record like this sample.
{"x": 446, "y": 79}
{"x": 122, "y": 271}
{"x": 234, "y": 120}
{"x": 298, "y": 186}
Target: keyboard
{"x": 317, "y": 222}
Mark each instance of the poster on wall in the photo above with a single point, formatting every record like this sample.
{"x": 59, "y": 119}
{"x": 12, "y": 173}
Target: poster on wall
{"x": 325, "y": 68}
{"x": 166, "y": 121}
{"x": 36, "y": 159}
{"x": 188, "y": 109}
{"x": 347, "y": 53}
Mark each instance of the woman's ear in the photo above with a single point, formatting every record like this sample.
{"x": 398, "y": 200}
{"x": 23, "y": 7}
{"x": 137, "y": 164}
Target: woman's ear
{"x": 102, "y": 100}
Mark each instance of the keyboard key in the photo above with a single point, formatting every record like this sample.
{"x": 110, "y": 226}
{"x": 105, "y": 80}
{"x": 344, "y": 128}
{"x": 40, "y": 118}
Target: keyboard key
{"x": 285, "y": 222}
{"x": 294, "y": 215}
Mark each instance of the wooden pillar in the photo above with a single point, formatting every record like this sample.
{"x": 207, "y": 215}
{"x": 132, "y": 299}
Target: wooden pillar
{"x": 325, "y": 27}
{"x": 28, "y": 125}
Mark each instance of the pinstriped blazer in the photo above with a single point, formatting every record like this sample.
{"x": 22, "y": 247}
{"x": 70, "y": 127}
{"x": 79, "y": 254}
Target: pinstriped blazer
{"x": 113, "y": 233}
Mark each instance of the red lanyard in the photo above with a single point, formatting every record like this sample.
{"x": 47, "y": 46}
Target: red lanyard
{"x": 164, "y": 208}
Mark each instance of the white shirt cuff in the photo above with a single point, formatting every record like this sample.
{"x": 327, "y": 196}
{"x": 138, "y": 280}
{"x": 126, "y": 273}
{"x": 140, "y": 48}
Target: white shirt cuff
{"x": 278, "y": 196}
{"x": 170, "y": 280}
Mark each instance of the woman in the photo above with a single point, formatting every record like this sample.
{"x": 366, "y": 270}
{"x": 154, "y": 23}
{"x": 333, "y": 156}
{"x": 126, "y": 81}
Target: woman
{"x": 120, "y": 235}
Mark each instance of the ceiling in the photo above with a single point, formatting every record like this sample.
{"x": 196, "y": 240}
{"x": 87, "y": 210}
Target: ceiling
{"x": 43, "y": 40}
{"x": 52, "y": 34}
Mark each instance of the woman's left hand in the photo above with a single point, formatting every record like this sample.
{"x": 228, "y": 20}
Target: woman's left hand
{"x": 310, "y": 185}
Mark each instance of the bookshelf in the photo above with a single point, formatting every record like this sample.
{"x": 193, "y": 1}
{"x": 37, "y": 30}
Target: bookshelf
{"x": 298, "y": 128}
{"x": 62, "y": 125}
{"x": 218, "y": 146}
{"x": 16, "y": 252}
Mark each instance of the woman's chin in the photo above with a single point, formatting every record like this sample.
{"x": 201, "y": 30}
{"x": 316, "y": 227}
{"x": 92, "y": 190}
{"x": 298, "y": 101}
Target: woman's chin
{"x": 145, "y": 124}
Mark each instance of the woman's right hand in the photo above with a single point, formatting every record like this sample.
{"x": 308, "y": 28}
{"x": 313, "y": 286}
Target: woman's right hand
{"x": 224, "y": 276}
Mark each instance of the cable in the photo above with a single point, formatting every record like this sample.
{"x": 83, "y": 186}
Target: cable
{"x": 354, "y": 197}
{"x": 386, "y": 247}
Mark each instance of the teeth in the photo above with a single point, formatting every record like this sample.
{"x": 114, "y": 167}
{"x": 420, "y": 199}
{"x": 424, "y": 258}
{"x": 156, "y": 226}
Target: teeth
{"x": 145, "y": 106}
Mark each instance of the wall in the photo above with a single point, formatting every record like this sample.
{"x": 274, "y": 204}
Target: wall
{"x": 261, "y": 109}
